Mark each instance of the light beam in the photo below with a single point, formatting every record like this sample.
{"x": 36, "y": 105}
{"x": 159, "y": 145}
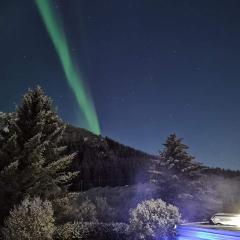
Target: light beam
{"x": 74, "y": 79}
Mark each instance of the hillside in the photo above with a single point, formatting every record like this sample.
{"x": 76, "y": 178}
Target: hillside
{"x": 103, "y": 161}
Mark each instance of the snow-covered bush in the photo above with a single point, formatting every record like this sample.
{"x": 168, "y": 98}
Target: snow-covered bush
{"x": 105, "y": 213}
{"x": 86, "y": 212}
{"x": 76, "y": 230}
{"x": 65, "y": 208}
{"x": 90, "y": 230}
{"x": 119, "y": 199}
{"x": 32, "y": 219}
{"x": 154, "y": 219}
{"x": 109, "y": 231}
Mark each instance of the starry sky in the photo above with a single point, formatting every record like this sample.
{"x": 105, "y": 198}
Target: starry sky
{"x": 153, "y": 67}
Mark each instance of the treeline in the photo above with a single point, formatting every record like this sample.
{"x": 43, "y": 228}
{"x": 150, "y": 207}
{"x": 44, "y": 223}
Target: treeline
{"x": 105, "y": 162}
{"x": 222, "y": 172}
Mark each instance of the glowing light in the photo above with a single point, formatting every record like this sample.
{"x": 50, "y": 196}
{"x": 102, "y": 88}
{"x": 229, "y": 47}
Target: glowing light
{"x": 73, "y": 78}
{"x": 226, "y": 219}
{"x": 200, "y": 233}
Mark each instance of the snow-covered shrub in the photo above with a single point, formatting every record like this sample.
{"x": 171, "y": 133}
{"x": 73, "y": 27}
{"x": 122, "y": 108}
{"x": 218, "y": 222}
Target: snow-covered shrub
{"x": 105, "y": 213}
{"x": 121, "y": 199}
{"x": 86, "y": 212}
{"x": 109, "y": 231}
{"x": 65, "y": 208}
{"x": 76, "y": 230}
{"x": 69, "y": 209}
{"x": 154, "y": 219}
{"x": 90, "y": 231}
{"x": 32, "y": 219}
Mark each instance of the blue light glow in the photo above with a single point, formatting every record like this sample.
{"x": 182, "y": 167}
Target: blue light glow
{"x": 201, "y": 233}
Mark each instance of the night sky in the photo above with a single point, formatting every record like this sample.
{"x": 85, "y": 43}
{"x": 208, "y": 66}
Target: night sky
{"x": 153, "y": 67}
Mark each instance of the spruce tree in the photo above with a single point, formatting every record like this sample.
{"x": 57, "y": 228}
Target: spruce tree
{"x": 176, "y": 172}
{"x": 36, "y": 164}
{"x": 9, "y": 184}
{"x": 7, "y": 139}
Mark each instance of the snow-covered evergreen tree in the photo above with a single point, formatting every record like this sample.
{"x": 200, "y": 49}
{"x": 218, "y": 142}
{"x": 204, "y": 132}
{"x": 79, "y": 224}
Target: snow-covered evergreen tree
{"x": 7, "y": 139}
{"x": 32, "y": 160}
{"x": 176, "y": 172}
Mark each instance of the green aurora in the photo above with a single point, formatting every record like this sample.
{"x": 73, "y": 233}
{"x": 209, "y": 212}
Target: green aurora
{"x": 74, "y": 80}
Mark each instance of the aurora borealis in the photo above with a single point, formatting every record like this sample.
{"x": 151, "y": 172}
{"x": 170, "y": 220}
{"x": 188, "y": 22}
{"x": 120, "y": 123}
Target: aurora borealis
{"x": 73, "y": 78}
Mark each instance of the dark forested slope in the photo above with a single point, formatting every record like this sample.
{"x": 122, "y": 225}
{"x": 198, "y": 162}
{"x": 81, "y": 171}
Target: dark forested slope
{"x": 103, "y": 161}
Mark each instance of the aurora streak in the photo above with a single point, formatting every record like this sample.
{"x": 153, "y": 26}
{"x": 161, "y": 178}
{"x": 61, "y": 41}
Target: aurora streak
{"x": 74, "y": 80}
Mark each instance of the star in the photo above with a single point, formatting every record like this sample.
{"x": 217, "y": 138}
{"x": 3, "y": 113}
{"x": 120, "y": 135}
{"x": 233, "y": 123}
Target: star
{"x": 197, "y": 68}
{"x": 122, "y": 99}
